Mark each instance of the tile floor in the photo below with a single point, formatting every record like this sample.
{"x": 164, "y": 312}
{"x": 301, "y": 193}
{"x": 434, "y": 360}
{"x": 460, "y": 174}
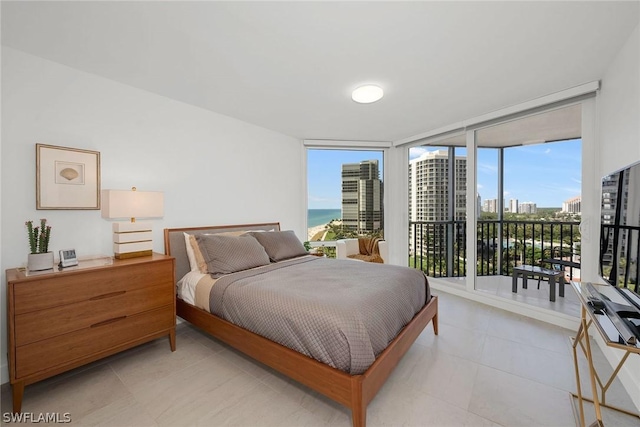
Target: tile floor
{"x": 501, "y": 286}
{"x": 486, "y": 368}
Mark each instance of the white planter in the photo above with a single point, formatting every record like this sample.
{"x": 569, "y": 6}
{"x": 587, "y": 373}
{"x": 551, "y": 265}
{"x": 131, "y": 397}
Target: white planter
{"x": 37, "y": 262}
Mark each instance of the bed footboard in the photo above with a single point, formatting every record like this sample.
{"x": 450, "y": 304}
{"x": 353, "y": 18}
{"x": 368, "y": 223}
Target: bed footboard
{"x": 352, "y": 391}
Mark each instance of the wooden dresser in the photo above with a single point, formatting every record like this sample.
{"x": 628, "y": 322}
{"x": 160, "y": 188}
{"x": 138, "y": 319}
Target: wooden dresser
{"x": 59, "y": 320}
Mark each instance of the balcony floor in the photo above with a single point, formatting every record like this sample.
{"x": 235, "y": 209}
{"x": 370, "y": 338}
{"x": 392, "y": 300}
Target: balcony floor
{"x": 501, "y": 286}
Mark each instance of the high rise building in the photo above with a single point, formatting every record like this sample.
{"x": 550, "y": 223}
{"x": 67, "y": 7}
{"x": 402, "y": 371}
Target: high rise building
{"x": 491, "y": 205}
{"x": 618, "y": 201}
{"x": 610, "y": 187}
{"x": 513, "y": 206}
{"x": 572, "y": 205}
{"x": 429, "y": 188}
{"x": 527, "y": 208}
{"x": 362, "y": 193}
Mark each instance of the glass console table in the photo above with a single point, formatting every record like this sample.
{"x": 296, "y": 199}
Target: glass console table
{"x": 591, "y": 316}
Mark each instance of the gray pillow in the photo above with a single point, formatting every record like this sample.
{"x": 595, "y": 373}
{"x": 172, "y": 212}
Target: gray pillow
{"x": 228, "y": 254}
{"x": 280, "y": 245}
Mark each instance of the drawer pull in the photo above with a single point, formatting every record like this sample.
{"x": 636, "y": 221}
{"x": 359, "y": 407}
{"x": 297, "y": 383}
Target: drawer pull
{"x": 108, "y": 321}
{"x": 109, "y": 295}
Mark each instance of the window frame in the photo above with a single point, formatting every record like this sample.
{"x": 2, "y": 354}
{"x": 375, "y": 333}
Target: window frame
{"x": 345, "y": 145}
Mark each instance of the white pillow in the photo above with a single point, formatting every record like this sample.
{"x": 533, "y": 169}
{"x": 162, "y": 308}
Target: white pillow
{"x": 187, "y": 286}
{"x": 192, "y": 257}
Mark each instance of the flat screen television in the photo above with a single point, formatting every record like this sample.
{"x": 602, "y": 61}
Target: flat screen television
{"x": 620, "y": 240}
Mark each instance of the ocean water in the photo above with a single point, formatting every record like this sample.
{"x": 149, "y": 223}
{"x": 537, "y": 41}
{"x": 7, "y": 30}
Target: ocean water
{"x": 321, "y": 216}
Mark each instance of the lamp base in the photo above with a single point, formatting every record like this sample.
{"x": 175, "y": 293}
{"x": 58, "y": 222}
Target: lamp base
{"x": 137, "y": 254}
{"x": 132, "y": 239}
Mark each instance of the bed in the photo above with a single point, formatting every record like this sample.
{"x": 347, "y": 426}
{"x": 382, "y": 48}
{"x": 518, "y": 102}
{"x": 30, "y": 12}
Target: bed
{"x": 353, "y": 383}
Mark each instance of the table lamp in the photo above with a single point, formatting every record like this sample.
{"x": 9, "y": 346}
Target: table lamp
{"x": 132, "y": 239}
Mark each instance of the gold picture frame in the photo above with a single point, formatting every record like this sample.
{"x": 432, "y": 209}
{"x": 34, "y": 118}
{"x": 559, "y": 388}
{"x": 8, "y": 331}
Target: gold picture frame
{"x": 67, "y": 178}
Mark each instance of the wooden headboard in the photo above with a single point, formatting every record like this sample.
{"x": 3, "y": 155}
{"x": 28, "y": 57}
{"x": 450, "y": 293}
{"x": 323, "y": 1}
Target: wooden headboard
{"x": 174, "y": 243}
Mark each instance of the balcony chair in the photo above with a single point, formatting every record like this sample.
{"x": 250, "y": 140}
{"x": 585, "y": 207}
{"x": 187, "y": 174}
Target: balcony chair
{"x": 350, "y": 249}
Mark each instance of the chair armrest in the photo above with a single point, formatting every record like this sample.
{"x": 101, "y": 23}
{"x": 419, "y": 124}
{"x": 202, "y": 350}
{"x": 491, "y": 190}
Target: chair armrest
{"x": 383, "y": 248}
{"x": 341, "y": 249}
{"x": 345, "y": 247}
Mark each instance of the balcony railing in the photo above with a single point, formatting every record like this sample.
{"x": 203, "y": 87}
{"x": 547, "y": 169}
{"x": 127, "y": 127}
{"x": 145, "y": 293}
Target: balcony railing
{"x": 439, "y": 247}
{"x": 619, "y": 248}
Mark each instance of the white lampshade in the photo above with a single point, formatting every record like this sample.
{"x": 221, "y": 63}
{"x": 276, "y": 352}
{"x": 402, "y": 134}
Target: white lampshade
{"x": 132, "y": 204}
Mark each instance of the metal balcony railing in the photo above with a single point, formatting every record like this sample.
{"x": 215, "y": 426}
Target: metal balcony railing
{"x": 439, "y": 247}
{"x": 619, "y": 255}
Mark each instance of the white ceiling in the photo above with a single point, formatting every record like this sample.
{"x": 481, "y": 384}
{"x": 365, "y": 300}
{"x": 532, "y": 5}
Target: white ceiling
{"x": 291, "y": 66}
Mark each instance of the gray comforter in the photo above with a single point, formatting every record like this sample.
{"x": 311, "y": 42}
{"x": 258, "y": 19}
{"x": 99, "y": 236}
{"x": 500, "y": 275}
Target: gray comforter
{"x": 342, "y": 313}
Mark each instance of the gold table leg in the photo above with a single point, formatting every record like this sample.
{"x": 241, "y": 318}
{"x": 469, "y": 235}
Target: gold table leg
{"x": 598, "y": 403}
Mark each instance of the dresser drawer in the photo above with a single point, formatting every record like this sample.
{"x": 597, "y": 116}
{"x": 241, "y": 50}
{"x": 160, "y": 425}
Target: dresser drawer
{"x": 51, "y": 322}
{"x": 66, "y": 348}
{"x": 84, "y": 285}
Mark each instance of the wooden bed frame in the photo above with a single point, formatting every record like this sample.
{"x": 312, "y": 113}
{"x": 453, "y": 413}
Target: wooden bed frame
{"x": 352, "y": 391}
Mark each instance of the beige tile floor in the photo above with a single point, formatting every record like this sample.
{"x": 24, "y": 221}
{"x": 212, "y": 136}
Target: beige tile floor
{"x": 501, "y": 286}
{"x": 486, "y": 368}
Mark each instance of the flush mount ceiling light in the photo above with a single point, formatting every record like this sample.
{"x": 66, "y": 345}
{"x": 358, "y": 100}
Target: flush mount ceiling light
{"x": 367, "y": 94}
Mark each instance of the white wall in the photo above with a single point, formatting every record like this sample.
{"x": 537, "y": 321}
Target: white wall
{"x": 619, "y": 146}
{"x": 212, "y": 169}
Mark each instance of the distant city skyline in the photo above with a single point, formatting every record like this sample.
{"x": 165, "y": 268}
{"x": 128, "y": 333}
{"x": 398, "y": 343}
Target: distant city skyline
{"x": 546, "y": 174}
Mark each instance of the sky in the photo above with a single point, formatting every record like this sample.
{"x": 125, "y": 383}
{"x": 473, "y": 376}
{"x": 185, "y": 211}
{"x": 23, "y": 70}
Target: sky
{"x": 545, "y": 174}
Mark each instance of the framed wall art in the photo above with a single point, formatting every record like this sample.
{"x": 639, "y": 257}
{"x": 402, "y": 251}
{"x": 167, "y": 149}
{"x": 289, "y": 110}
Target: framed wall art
{"x": 67, "y": 178}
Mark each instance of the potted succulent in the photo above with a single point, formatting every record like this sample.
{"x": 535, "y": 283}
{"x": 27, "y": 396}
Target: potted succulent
{"x": 40, "y": 258}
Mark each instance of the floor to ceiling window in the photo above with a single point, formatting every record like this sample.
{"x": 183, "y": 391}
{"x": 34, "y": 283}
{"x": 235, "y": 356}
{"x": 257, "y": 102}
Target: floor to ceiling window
{"x": 527, "y": 197}
{"x": 345, "y": 195}
{"x": 529, "y": 179}
{"x": 437, "y": 210}
{"x": 489, "y": 210}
